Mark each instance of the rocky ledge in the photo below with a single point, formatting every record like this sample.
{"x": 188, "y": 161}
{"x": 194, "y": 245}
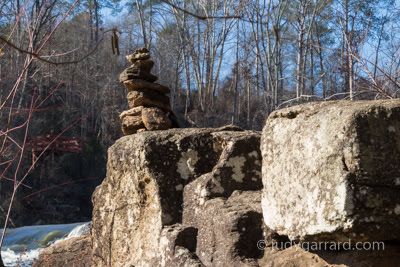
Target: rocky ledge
{"x": 326, "y": 174}
{"x": 158, "y": 188}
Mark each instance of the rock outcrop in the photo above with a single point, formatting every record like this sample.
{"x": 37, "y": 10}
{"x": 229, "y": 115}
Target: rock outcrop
{"x": 331, "y": 171}
{"x": 172, "y": 197}
{"x": 150, "y": 108}
{"x": 197, "y": 197}
{"x": 192, "y": 197}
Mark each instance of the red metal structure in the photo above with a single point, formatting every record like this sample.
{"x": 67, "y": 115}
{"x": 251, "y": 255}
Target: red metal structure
{"x": 62, "y": 143}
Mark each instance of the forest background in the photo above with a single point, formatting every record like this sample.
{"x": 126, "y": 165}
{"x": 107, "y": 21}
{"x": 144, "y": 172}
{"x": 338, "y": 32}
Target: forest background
{"x": 225, "y": 61}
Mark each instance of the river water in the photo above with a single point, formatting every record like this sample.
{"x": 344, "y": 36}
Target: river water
{"x": 22, "y": 245}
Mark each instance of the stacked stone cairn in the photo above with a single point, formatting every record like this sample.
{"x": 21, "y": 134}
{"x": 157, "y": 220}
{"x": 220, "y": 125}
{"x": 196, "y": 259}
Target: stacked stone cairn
{"x": 150, "y": 108}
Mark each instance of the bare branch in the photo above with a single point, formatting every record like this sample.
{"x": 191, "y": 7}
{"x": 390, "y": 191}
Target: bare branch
{"x": 53, "y": 62}
{"x": 201, "y": 17}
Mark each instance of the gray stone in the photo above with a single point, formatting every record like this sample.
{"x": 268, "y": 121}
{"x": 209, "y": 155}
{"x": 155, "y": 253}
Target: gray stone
{"x": 239, "y": 168}
{"x": 229, "y": 230}
{"x": 331, "y": 171}
{"x": 178, "y": 247}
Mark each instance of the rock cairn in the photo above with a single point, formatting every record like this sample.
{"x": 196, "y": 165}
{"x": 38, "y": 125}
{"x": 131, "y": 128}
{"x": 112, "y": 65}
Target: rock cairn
{"x": 150, "y": 107}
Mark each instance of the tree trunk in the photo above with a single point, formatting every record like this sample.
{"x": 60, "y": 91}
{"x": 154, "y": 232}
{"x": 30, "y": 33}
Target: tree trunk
{"x": 312, "y": 71}
{"x": 345, "y": 47}
{"x": 321, "y": 66}
{"x": 248, "y": 104}
{"x": 142, "y": 23}
{"x": 236, "y": 75}
{"x": 300, "y": 52}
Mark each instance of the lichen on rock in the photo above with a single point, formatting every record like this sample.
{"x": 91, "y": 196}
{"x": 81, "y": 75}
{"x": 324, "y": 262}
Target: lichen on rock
{"x": 144, "y": 205}
{"x": 330, "y": 169}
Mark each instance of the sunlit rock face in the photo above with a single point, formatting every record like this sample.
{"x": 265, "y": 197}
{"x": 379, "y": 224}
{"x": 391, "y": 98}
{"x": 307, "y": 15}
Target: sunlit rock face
{"x": 331, "y": 171}
{"x": 72, "y": 252}
{"x": 162, "y": 188}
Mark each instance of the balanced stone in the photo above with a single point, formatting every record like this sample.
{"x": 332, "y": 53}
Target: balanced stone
{"x": 155, "y": 119}
{"x": 142, "y": 56}
{"x": 137, "y": 73}
{"x": 130, "y": 124}
{"x": 131, "y": 112}
{"x": 139, "y": 54}
{"x": 148, "y": 98}
{"x": 150, "y": 107}
{"x": 142, "y": 50}
{"x": 147, "y": 65}
{"x": 136, "y": 84}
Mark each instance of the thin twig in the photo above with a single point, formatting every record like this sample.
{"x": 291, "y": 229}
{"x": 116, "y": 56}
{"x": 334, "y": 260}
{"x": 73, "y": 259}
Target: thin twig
{"x": 198, "y": 16}
{"x": 49, "y": 61}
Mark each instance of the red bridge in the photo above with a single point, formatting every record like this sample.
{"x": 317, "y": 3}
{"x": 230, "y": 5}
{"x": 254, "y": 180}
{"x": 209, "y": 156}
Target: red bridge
{"x": 62, "y": 143}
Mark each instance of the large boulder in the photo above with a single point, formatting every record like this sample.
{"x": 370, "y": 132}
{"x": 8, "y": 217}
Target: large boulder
{"x": 331, "y": 171}
{"x": 138, "y": 209}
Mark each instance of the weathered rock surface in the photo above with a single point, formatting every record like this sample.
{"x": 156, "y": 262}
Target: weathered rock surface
{"x": 192, "y": 197}
{"x": 296, "y": 256}
{"x": 139, "y": 54}
{"x": 72, "y": 252}
{"x": 131, "y": 112}
{"x": 331, "y": 171}
{"x": 148, "y": 98}
{"x": 238, "y": 169}
{"x": 131, "y": 124}
{"x": 155, "y": 119}
{"x": 132, "y": 85}
{"x": 138, "y": 208}
{"x": 137, "y": 73}
{"x": 229, "y": 230}
{"x": 178, "y": 247}
{"x": 145, "y": 64}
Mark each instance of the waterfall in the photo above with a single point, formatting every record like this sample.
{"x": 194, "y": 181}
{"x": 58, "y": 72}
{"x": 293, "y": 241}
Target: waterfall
{"x": 22, "y": 245}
